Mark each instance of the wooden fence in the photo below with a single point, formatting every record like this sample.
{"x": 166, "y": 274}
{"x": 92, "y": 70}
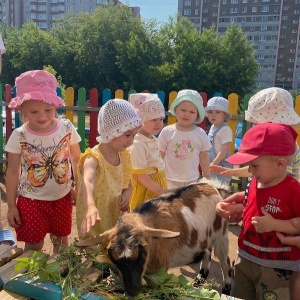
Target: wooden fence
{"x": 84, "y": 114}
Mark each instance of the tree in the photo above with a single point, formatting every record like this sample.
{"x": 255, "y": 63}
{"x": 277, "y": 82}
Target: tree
{"x": 238, "y": 61}
{"x": 27, "y": 49}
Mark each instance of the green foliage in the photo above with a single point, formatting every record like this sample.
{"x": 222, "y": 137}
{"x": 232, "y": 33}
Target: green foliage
{"x": 160, "y": 285}
{"x": 111, "y": 49}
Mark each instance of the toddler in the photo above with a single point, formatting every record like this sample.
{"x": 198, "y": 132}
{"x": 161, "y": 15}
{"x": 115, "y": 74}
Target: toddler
{"x": 183, "y": 145}
{"x": 41, "y": 156}
{"x": 104, "y": 174}
{"x": 148, "y": 168}
{"x": 220, "y": 134}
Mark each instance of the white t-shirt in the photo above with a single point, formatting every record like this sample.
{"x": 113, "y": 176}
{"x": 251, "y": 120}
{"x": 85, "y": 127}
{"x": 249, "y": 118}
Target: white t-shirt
{"x": 45, "y": 160}
{"x": 182, "y": 150}
{"x": 145, "y": 153}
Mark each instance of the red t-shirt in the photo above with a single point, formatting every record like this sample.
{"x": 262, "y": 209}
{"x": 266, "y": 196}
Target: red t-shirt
{"x": 282, "y": 202}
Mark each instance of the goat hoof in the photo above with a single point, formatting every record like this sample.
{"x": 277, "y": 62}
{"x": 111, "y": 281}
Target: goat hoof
{"x": 226, "y": 289}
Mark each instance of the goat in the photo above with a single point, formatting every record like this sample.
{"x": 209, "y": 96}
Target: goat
{"x": 172, "y": 230}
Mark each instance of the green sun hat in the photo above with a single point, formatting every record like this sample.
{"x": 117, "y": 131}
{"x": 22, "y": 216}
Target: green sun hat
{"x": 193, "y": 97}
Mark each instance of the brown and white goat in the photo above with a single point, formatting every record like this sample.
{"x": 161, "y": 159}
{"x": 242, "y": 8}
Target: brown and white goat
{"x": 172, "y": 230}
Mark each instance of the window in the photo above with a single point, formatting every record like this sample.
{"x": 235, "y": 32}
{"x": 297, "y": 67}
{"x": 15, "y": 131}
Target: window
{"x": 275, "y": 8}
{"x": 246, "y": 1}
{"x": 234, "y": 1}
{"x": 196, "y": 12}
{"x": 233, "y": 10}
{"x": 263, "y": 28}
{"x": 187, "y": 12}
{"x": 254, "y": 8}
{"x": 262, "y": 37}
{"x": 295, "y": 21}
{"x": 187, "y": 3}
{"x": 244, "y": 10}
{"x": 265, "y": 9}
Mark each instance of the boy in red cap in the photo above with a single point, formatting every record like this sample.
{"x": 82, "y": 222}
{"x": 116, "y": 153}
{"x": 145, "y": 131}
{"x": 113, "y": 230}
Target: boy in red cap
{"x": 264, "y": 265}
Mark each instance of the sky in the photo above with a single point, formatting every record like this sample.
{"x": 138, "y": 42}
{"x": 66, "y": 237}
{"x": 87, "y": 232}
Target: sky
{"x": 155, "y": 9}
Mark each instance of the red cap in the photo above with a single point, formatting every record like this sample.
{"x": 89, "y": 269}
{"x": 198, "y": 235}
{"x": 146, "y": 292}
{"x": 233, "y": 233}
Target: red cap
{"x": 265, "y": 139}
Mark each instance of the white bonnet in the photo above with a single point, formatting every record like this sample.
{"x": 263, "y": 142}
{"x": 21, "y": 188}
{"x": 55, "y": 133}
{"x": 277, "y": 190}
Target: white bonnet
{"x": 272, "y": 105}
{"x": 115, "y": 117}
{"x": 149, "y": 106}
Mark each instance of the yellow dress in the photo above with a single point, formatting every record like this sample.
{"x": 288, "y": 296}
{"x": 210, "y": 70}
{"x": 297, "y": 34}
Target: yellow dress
{"x": 110, "y": 181}
{"x": 145, "y": 159}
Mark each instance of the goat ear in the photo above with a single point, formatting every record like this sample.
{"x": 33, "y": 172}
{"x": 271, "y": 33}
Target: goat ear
{"x": 161, "y": 233}
{"x": 102, "y": 238}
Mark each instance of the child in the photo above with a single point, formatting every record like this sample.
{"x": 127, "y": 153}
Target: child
{"x": 263, "y": 264}
{"x": 183, "y": 145}
{"x": 41, "y": 156}
{"x": 105, "y": 170}
{"x": 220, "y": 134}
{"x": 149, "y": 178}
{"x": 269, "y": 105}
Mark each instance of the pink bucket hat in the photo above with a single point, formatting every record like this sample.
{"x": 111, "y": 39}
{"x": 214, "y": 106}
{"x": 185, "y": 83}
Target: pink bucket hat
{"x": 36, "y": 85}
{"x": 149, "y": 106}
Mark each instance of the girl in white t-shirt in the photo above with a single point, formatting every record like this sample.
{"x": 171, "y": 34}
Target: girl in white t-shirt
{"x": 220, "y": 134}
{"x": 183, "y": 145}
{"x": 148, "y": 168}
{"x": 41, "y": 156}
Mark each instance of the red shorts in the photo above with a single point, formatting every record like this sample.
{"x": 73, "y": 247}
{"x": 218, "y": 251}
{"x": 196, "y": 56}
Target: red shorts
{"x": 39, "y": 217}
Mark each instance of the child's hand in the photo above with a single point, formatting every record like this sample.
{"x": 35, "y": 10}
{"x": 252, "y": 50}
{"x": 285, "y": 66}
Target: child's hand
{"x": 91, "y": 217}
{"x": 293, "y": 240}
{"x": 13, "y": 217}
{"x": 232, "y": 207}
{"x": 73, "y": 196}
{"x": 264, "y": 223}
{"x": 123, "y": 202}
{"x": 220, "y": 170}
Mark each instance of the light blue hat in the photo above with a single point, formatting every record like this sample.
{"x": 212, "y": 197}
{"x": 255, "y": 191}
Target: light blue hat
{"x": 218, "y": 103}
{"x": 193, "y": 97}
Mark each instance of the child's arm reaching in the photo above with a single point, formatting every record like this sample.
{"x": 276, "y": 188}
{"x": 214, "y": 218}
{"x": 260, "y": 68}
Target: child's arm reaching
{"x": 239, "y": 172}
{"x": 221, "y": 155}
{"x": 149, "y": 184}
{"x": 232, "y": 207}
{"x": 291, "y": 240}
{"x": 267, "y": 223}
{"x": 91, "y": 212}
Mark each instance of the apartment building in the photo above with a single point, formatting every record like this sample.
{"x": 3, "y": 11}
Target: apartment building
{"x": 271, "y": 25}
{"x": 46, "y": 12}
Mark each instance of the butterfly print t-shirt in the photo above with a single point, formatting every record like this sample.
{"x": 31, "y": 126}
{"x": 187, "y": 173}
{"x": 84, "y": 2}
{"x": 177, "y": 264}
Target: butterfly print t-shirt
{"x": 45, "y": 160}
